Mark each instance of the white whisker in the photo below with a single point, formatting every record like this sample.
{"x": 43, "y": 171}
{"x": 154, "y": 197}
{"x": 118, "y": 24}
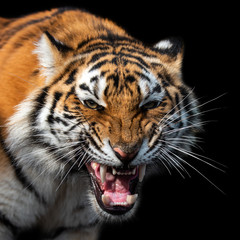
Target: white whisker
{"x": 166, "y": 115}
{"x": 195, "y": 155}
{"x": 66, "y": 175}
{"x": 189, "y": 116}
{"x": 55, "y": 161}
{"x": 166, "y": 123}
{"x": 196, "y": 170}
{"x": 164, "y": 164}
{"x": 193, "y": 125}
{"x": 171, "y": 161}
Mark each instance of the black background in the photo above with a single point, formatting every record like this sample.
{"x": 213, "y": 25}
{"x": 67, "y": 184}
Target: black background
{"x": 173, "y": 207}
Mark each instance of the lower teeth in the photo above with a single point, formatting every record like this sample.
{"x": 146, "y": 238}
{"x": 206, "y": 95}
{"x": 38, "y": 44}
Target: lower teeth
{"x": 118, "y": 204}
{"x": 131, "y": 199}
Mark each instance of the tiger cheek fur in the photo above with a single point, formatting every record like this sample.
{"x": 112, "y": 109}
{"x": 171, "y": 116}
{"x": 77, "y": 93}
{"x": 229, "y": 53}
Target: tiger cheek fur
{"x": 86, "y": 110}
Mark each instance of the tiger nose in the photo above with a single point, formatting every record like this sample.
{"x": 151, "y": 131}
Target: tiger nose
{"x": 125, "y": 157}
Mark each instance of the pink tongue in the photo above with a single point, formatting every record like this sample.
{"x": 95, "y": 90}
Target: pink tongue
{"x": 116, "y": 187}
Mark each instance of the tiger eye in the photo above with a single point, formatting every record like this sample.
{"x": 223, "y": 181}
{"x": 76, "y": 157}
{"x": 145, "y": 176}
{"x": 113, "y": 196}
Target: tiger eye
{"x": 151, "y": 105}
{"x": 93, "y": 105}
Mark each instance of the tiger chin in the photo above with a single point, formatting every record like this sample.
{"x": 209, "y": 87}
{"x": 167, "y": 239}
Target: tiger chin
{"x": 86, "y": 111}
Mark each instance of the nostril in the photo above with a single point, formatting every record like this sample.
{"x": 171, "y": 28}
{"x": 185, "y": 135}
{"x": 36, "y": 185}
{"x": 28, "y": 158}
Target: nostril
{"x": 120, "y": 153}
{"x": 123, "y": 156}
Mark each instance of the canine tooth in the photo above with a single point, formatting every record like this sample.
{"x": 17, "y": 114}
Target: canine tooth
{"x": 94, "y": 165}
{"x": 133, "y": 171}
{"x": 106, "y": 200}
{"x": 131, "y": 199}
{"x": 114, "y": 172}
{"x": 103, "y": 171}
{"x": 142, "y": 170}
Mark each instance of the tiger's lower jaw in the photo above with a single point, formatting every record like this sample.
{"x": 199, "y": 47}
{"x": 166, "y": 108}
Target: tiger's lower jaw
{"x": 115, "y": 190}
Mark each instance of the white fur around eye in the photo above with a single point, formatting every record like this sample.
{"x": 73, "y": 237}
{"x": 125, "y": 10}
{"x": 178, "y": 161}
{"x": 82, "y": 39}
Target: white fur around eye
{"x": 147, "y": 89}
{"x": 96, "y": 88}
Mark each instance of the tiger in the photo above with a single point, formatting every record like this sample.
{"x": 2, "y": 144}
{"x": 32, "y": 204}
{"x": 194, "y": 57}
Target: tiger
{"x": 86, "y": 112}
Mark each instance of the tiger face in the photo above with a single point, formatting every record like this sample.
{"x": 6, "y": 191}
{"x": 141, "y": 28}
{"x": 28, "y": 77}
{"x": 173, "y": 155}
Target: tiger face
{"x": 111, "y": 109}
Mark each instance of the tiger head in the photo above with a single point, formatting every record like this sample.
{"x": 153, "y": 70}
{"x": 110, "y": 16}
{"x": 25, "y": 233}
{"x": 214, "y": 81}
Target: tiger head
{"x": 112, "y": 108}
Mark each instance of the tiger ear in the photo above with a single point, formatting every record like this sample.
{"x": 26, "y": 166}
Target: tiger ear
{"x": 171, "y": 51}
{"x": 50, "y": 52}
{"x": 171, "y": 47}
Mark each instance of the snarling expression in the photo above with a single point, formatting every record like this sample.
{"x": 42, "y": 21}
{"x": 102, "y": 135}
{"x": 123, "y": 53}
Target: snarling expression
{"x": 115, "y": 110}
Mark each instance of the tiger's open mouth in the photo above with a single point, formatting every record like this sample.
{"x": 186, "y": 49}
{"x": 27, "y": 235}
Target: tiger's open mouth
{"x": 115, "y": 189}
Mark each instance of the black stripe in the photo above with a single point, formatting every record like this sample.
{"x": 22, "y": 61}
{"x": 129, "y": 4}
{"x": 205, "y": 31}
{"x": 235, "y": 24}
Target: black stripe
{"x": 84, "y": 43}
{"x": 94, "y": 79}
{"x": 143, "y": 76}
{"x": 23, "y": 179}
{"x": 93, "y": 143}
{"x": 60, "y": 120}
{"x": 115, "y": 79}
{"x": 68, "y": 70}
{"x": 139, "y": 59}
{"x": 20, "y": 175}
{"x": 136, "y": 63}
{"x": 130, "y": 78}
{"x": 57, "y": 96}
{"x": 97, "y": 56}
{"x": 97, "y": 46}
{"x": 157, "y": 88}
{"x": 98, "y": 65}
{"x": 96, "y": 134}
{"x": 106, "y": 91}
{"x": 133, "y": 49}
{"x": 168, "y": 95}
{"x": 84, "y": 87}
{"x": 177, "y": 101}
{"x": 154, "y": 132}
{"x": 71, "y": 92}
{"x": 117, "y": 40}
{"x": 40, "y": 103}
{"x": 110, "y": 40}
{"x": 17, "y": 169}
{"x": 59, "y": 45}
{"x": 12, "y": 31}
{"x": 5, "y": 221}
{"x": 163, "y": 80}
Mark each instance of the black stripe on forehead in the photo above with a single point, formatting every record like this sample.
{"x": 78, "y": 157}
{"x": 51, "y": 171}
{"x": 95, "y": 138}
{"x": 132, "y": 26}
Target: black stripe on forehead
{"x": 98, "y": 65}
{"x": 97, "y": 56}
{"x": 110, "y": 40}
{"x": 84, "y": 87}
{"x": 116, "y": 54}
{"x": 117, "y": 61}
{"x": 93, "y": 88}
{"x": 157, "y": 88}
